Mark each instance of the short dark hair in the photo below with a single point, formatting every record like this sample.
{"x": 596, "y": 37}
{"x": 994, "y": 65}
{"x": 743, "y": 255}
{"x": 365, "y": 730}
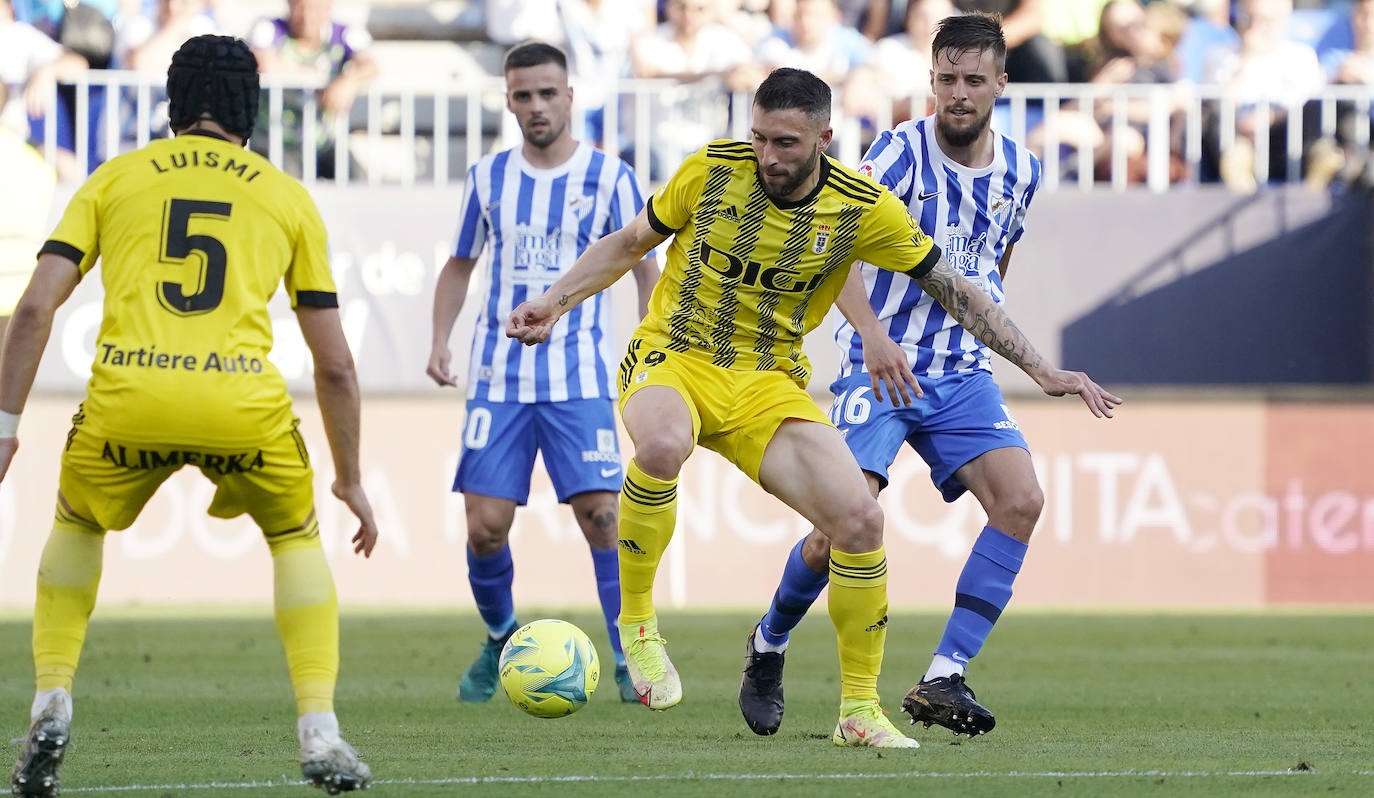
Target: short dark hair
{"x": 215, "y": 77}
{"x": 786, "y": 88}
{"x": 532, "y": 54}
{"x": 971, "y": 33}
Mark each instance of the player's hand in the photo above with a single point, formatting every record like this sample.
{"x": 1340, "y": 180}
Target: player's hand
{"x": 532, "y": 321}
{"x": 1060, "y": 383}
{"x": 338, "y": 96}
{"x": 437, "y": 369}
{"x": 39, "y": 92}
{"x": 356, "y": 499}
{"x": 8, "y": 446}
{"x": 887, "y": 365}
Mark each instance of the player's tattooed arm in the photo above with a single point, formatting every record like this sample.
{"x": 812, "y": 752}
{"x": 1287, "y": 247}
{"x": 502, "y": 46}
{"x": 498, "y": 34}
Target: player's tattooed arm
{"x": 975, "y": 310}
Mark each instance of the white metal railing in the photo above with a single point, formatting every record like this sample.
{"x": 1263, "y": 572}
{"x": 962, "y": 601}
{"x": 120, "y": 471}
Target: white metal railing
{"x": 401, "y": 132}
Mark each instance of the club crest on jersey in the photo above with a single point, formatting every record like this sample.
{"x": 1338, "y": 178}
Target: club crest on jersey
{"x": 997, "y": 206}
{"x": 822, "y": 239}
{"x": 581, "y": 205}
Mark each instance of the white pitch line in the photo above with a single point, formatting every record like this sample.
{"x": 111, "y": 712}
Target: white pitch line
{"x": 689, "y": 776}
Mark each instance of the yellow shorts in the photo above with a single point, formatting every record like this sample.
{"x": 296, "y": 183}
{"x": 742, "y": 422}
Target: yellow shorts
{"x": 108, "y": 481}
{"x": 734, "y": 412}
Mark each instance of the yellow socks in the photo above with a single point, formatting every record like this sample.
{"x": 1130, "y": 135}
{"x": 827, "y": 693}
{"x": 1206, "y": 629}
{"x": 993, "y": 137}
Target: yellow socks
{"x": 858, "y": 608}
{"x": 68, "y": 578}
{"x": 307, "y": 613}
{"x": 648, "y": 513}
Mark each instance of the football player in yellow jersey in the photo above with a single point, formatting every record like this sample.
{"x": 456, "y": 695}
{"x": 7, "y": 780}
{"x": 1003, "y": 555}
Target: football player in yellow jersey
{"x": 764, "y": 235}
{"x": 195, "y": 233}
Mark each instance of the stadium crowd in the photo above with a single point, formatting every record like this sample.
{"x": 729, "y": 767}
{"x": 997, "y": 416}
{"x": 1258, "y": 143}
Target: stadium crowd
{"x": 1269, "y": 57}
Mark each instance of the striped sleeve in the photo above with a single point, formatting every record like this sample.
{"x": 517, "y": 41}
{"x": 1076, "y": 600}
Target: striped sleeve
{"x": 890, "y": 163}
{"x": 1017, "y": 224}
{"x": 472, "y": 225}
{"x": 628, "y": 201}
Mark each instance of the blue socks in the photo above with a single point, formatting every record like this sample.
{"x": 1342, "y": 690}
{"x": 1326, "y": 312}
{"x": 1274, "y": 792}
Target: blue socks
{"x": 491, "y": 579}
{"x": 606, "y": 564}
{"x": 983, "y": 590}
{"x": 796, "y": 593}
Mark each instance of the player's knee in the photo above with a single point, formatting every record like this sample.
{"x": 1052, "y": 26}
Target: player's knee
{"x": 661, "y": 455}
{"x": 816, "y": 551}
{"x": 599, "y": 520}
{"x": 860, "y": 529}
{"x": 1019, "y": 511}
{"x": 487, "y": 532}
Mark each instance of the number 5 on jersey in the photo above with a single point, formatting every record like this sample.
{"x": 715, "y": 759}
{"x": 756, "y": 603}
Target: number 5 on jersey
{"x": 203, "y": 293}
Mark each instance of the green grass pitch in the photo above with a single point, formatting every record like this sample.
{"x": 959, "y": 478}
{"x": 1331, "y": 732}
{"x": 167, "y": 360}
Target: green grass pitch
{"x": 1087, "y": 705}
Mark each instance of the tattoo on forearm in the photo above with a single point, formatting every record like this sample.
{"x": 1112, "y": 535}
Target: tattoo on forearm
{"x": 989, "y": 324}
{"x": 564, "y": 300}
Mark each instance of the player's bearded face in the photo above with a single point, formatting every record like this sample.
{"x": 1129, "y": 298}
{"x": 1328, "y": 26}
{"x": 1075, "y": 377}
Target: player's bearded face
{"x": 541, "y": 100}
{"x": 788, "y": 147}
{"x": 781, "y": 182}
{"x": 965, "y": 85}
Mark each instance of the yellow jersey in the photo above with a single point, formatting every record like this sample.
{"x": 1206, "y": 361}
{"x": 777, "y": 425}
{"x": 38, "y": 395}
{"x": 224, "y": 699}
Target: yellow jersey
{"x": 747, "y": 276}
{"x": 194, "y": 234}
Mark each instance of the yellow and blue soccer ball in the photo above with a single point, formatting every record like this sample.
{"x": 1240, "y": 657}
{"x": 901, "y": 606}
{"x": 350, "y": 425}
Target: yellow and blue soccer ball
{"x": 549, "y": 668}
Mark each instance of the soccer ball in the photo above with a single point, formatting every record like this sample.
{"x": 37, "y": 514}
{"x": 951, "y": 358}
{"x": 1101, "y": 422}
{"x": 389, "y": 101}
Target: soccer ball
{"x": 549, "y": 668}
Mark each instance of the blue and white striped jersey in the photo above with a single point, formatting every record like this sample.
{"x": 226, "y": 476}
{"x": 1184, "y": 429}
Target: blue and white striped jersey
{"x": 972, "y": 214}
{"x": 537, "y": 222}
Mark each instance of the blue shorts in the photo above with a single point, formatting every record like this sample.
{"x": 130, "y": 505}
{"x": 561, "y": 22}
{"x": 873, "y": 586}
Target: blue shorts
{"x": 577, "y": 439}
{"x": 960, "y": 417}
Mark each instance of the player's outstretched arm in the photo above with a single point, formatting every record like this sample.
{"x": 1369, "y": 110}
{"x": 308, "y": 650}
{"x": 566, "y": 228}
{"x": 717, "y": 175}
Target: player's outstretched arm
{"x": 983, "y": 317}
{"x": 884, "y": 358}
{"x": 449, "y": 293}
{"x": 336, "y": 390}
{"x": 53, "y": 280}
{"x": 601, "y": 264}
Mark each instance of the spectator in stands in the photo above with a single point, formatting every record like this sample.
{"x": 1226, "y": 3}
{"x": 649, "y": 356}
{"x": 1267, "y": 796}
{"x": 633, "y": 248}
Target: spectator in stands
{"x": 899, "y": 70}
{"x": 24, "y": 206}
{"x": 31, "y": 64}
{"x": 145, "y": 42}
{"x": 1208, "y": 29}
{"x": 598, "y": 38}
{"x": 868, "y": 17}
{"x": 49, "y": 16}
{"x": 514, "y": 21}
{"x": 1343, "y": 155}
{"x": 1075, "y": 24}
{"x": 1131, "y": 48}
{"x": 595, "y": 34}
{"x": 308, "y": 44}
{"x": 704, "y": 57}
{"x": 690, "y": 46}
{"x": 817, "y": 42}
{"x": 749, "y": 19}
{"x": 1267, "y": 66}
{"x": 1032, "y": 57}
